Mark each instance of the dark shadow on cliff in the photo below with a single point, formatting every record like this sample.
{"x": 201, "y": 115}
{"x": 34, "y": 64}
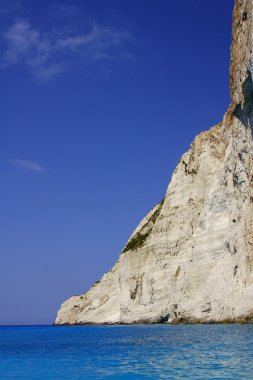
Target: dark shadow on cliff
{"x": 244, "y": 112}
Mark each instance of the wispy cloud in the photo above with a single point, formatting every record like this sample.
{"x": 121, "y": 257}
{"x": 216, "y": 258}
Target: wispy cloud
{"x": 48, "y": 54}
{"x": 27, "y": 165}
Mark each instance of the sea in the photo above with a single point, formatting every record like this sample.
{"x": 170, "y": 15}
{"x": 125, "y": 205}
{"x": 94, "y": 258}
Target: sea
{"x": 127, "y": 352}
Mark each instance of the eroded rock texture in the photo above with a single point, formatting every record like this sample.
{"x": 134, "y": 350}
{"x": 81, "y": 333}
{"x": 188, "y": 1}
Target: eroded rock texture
{"x": 191, "y": 258}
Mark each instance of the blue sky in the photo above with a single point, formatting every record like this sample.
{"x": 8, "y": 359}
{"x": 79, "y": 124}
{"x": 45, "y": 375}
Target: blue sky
{"x": 99, "y": 99}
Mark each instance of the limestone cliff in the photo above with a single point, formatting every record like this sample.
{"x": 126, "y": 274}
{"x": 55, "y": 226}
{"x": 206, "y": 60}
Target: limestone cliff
{"x": 191, "y": 258}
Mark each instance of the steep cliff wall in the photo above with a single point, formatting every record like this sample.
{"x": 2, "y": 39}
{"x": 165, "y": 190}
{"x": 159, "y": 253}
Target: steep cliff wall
{"x": 191, "y": 258}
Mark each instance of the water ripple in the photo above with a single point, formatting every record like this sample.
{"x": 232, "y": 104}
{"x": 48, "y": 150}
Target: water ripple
{"x": 127, "y": 352}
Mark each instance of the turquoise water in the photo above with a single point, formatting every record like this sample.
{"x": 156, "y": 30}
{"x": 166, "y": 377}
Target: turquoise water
{"x": 127, "y": 352}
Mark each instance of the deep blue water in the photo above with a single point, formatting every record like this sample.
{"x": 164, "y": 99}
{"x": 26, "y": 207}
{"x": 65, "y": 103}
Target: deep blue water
{"x": 127, "y": 352}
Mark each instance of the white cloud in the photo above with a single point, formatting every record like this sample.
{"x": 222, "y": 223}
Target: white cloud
{"x": 47, "y": 54}
{"x": 27, "y": 165}
{"x": 26, "y": 45}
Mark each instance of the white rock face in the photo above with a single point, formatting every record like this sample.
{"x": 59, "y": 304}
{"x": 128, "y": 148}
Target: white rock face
{"x": 191, "y": 258}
